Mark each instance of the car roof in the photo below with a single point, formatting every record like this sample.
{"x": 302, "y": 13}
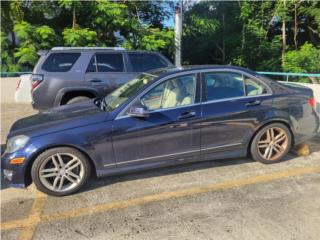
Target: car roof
{"x": 172, "y": 70}
{"x": 95, "y": 49}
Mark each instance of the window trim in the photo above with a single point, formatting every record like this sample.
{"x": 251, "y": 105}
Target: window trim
{"x": 201, "y": 89}
{"x": 78, "y": 53}
{"x": 94, "y": 56}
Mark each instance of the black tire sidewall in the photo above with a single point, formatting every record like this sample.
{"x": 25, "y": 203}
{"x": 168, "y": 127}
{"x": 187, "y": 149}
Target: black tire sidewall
{"x": 43, "y": 156}
{"x": 254, "y": 144}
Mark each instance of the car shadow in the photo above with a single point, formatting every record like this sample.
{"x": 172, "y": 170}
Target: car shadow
{"x": 96, "y": 182}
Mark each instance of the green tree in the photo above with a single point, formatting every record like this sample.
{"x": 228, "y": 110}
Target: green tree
{"x": 79, "y": 37}
{"x": 304, "y": 60}
{"x": 32, "y": 39}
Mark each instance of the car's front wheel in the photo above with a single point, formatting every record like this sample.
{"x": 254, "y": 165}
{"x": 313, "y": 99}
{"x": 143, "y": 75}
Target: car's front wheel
{"x": 60, "y": 171}
{"x": 271, "y": 143}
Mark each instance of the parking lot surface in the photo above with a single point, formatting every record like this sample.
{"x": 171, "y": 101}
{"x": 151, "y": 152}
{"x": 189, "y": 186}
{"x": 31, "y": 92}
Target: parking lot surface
{"x": 227, "y": 199}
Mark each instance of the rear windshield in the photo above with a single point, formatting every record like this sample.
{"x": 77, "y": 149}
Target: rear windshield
{"x": 60, "y": 62}
{"x": 142, "y": 62}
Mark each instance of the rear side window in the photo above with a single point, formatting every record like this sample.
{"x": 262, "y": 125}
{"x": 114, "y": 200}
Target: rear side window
{"x": 254, "y": 88}
{"x": 221, "y": 85}
{"x": 109, "y": 62}
{"x": 60, "y": 62}
{"x": 142, "y": 62}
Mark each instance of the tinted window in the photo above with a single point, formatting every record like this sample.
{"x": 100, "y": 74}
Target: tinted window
{"x": 172, "y": 93}
{"x": 254, "y": 88}
{"x": 222, "y": 85}
{"x": 108, "y": 62}
{"x": 142, "y": 62}
{"x": 60, "y": 62}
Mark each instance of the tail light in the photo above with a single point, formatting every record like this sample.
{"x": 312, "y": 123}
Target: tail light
{"x": 36, "y": 79}
{"x": 18, "y": 85}
{"x": 312, "y": 102}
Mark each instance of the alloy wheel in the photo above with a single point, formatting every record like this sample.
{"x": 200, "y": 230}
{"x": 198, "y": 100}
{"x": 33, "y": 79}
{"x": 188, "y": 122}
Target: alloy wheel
{"x": 61, "y": 172}
{"x": 273, "y": 143}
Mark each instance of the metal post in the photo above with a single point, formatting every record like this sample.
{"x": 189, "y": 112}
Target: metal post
{"x": 178, "y": 33}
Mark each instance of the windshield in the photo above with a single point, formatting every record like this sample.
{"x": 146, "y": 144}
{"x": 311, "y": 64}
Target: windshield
{"x": 126, "y": 91}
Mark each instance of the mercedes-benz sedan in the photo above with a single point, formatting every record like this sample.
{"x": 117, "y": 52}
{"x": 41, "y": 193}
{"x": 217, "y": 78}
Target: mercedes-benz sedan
{"x": 160, "y": 118}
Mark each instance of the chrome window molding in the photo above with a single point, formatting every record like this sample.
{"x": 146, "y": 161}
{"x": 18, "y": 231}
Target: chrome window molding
{"x": 122, "y": 112}
{"x": 173, "y": 154}
{"x": 235, "y": 98}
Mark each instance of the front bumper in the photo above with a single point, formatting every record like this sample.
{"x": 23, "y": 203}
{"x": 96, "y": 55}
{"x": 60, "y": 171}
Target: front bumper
{"x": 15, "y": 175}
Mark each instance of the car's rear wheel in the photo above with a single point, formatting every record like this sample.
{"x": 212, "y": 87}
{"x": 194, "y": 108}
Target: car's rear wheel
{"x": 77, "y": 99}
{"x": 271, "y": 144}
{"x": 60, "y": 171}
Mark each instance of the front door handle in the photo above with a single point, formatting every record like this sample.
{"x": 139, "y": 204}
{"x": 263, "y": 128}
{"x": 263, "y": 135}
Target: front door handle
{"x": 253, "y": 103}
{"x": 186, "y": 115}
{"x": 95, "y": 80}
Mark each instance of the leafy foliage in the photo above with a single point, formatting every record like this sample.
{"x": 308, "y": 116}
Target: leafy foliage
{"x": 245, "y": 33}
{"x": 79, "y": 37}
{"x": 304, "y": 60}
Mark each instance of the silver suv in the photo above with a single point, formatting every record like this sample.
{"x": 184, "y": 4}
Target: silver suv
{"x": 67, "y": 75}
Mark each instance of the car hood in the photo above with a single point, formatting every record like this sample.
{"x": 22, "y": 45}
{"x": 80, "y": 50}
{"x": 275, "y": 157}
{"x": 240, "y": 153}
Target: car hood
{"x": 59, "y": 119}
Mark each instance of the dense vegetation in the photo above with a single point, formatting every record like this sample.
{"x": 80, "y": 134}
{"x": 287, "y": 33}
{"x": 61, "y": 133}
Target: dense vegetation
{"x": 282, "y": 35}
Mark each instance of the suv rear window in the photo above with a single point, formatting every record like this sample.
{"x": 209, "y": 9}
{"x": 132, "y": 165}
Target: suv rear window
{"x": 60, "y": 62}
{"x": 106, "y": 62}
{"x": 142, "y": 62}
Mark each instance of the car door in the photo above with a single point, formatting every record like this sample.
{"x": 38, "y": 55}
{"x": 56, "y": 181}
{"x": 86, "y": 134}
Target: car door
{"x": 107, "y": 71}
{"x": 233, "y": 105}
{"x": 170, "y": 132}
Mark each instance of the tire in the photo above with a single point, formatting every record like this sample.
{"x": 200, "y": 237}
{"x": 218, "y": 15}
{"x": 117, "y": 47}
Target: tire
{"x": 48, "y": 163}
{"x": 275, "y": 138}
{"x": 77, "y": 99}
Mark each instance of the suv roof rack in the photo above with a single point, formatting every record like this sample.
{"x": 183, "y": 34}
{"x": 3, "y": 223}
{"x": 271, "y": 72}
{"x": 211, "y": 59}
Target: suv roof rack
{"x": 88, "y": 48}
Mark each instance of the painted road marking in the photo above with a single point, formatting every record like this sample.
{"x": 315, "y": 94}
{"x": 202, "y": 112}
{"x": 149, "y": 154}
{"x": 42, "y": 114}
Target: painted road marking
{"x": 34, "y": 220}
{"x": 34, "y": 216}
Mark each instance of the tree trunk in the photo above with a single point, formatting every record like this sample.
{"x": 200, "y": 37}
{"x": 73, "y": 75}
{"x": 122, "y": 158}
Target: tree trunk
{"x": 284, "y": 38}
{"x": 13, "y": 38}
{"x": 223, "y": 40}
{"x": 243, "y": 40}
{"x": 74, "y": 18}
{"x": 295, "y": 26}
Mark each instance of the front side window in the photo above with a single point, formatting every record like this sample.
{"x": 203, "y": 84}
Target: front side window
{"x": 106, "y": 62}
{"x": 175, "y": 92}
{"x": 60, "y": 62}
{"x": 221, "y": 85}
{"x": 142, "y": 62}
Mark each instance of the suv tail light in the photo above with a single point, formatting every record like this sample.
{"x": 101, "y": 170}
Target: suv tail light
{"x": 36, "y": 79}
{"x": 312, "y": 102}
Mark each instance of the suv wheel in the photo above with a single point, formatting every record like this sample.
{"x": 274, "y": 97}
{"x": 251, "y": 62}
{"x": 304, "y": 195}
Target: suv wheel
{"x": 60, "y": 171}
{"x": 271, "y": 143}
{"x": 77, "y": 99}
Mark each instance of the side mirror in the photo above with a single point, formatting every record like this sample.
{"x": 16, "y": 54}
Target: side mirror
{"x": 138, "y": 111}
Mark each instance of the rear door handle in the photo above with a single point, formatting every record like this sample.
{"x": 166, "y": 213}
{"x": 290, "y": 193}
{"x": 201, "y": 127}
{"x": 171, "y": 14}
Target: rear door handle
{"x": 95, "y": 80}
{"x": 186, "y": 115}
{"x": 253, "y": 103}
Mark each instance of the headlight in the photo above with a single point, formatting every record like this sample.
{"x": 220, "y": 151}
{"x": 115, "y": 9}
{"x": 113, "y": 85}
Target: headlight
{"x": 16, "y": 143}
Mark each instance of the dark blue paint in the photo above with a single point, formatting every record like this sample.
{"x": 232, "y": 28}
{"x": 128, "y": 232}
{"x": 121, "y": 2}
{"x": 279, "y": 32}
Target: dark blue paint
{"x": 217, "y": 130}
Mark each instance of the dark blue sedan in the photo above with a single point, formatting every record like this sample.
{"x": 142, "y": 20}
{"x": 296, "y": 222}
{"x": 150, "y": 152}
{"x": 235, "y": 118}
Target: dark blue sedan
{"x": 160, "y": 118}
